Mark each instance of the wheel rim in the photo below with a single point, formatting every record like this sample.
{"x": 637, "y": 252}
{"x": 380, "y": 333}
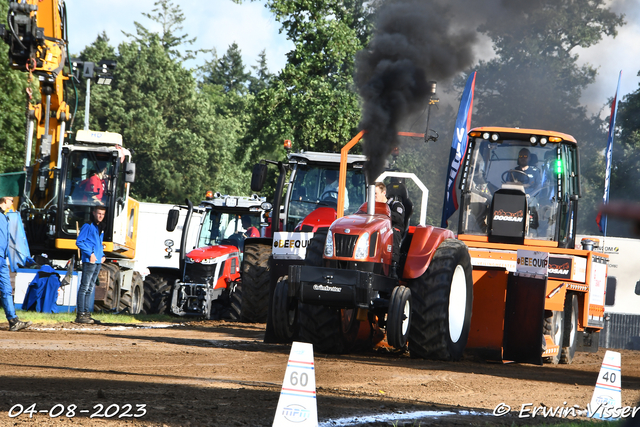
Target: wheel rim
{"x": 136, "y": 300}
{"x": 574, "y": 329}
{"x": 405, "y": 317}
{"x": 557, "y": 328}
{"x": 457, "y": 303}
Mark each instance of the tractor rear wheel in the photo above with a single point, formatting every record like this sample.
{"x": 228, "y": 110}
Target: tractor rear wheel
{"x": 442, "y": 299}
{"x": 399, "y": 317}
{"x": 284, "y": 312}
{"x": 255, "y": 282}
{"x": 554, "y": 326}
{"x": 570, "y": 333}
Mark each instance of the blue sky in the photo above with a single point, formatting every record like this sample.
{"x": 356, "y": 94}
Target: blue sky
{"x": 218, "y": 23}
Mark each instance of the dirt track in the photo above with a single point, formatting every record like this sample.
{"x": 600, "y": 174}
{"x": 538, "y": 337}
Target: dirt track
{"x": 222, "y": 374}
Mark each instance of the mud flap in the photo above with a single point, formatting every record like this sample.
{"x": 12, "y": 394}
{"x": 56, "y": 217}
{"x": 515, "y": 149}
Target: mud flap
{"x": 524, "y": 319}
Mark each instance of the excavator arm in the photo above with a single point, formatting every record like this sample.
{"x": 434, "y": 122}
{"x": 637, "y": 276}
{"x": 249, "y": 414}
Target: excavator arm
{"x": 36, "y": 35}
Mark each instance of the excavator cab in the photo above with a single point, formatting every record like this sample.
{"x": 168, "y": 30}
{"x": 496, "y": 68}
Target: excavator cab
{"x": 519, "y": 186}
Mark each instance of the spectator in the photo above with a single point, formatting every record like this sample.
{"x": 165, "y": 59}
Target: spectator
{"x": 89, "y": 242}
{"x": 6, "y": 290}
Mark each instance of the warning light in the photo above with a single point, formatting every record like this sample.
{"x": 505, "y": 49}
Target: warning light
{"x": 208, "y": 195}
{"x": 559, "y": 166}
{"x": 287, "y": 144}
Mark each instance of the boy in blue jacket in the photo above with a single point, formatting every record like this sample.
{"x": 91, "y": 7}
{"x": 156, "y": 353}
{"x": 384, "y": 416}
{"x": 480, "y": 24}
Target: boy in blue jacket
{"x": 89, "y": 242}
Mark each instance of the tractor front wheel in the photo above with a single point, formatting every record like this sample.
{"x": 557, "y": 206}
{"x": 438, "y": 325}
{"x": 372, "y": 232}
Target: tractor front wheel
{"x": 442, "y": 299}
{"x": 284, "y": 312}
{"x": 399, "y": 317}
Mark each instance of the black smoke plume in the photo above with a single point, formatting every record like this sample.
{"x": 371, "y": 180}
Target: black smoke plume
{"x": 414, "y": 41}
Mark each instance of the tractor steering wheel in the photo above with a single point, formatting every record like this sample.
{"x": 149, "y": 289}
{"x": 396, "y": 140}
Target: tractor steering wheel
{"x": 329, "y": 195}
{"x": 515, "y": 175}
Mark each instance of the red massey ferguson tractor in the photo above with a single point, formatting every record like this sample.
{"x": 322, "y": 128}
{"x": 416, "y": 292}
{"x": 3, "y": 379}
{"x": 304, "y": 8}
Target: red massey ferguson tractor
{"x": 345, "y": 296}
{"x": 207, "y": 283}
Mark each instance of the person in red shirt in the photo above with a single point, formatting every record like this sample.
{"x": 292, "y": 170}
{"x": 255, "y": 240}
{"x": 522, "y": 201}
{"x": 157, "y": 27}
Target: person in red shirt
{"x": 250, "y": 231}
{"x": 94, "y": 186}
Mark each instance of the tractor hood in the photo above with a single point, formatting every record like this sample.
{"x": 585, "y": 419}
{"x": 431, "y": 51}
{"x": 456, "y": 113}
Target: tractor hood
{"x": 211, "y": 252}
{"x": 361, "y": 236}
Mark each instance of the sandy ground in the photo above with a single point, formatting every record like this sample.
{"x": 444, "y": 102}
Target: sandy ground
{"x": 219, "y": 373}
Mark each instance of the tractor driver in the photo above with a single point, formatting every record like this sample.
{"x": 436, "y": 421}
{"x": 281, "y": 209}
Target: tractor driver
{"x": 532, "y": 172}
{"x": 330, "y": 191}
{"x": 250, "y": 230}
{"x": 397, "y": 223}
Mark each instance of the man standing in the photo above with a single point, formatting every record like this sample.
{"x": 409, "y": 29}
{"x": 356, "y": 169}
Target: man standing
{"x": 89, "y": 242}
{"x": 6, "y": 298}
{"x": 397, "y": 223}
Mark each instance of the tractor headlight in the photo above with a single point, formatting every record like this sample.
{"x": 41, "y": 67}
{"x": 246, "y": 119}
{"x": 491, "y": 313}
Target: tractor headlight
{"x": 328, "y": 246}
{"x": 208, "y": 261}
{"x": 362, "y": 247}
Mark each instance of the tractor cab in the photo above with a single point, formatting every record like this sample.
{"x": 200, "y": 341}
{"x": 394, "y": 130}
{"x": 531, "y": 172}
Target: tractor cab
{"x": 313, "y": 183}
{"x": 520, "y": 184}
{"x": 96, "y": 171}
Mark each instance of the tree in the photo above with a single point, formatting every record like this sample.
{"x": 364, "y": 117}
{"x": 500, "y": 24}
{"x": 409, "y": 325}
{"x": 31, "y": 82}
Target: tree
{"x": 181, "y": 145}
{"x": 170, "y": 18}
{"x": 535, "y": 80}
{"x": 262, "y": 77}
{"x": 228, "y": 71}
{"x": 311, "y": 101}
{"x": 13, "y": 99}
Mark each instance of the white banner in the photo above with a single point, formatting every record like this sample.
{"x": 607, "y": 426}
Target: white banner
{"x": 532, "y": 262}
{"x": 290, "y": 245}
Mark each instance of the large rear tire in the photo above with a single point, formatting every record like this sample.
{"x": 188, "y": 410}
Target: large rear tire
{"x": 442, "y": 299}
{"x": 554, "y": 326}
{"x": 284, "y": 312}
{"x": 570, "y": 335}
{"x": 399, "y": 317}
{"x": 255, "y": 282}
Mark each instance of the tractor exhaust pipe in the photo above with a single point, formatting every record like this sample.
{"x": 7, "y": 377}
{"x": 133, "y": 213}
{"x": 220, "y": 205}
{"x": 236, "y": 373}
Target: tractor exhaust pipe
{"x": 371, "y": 200}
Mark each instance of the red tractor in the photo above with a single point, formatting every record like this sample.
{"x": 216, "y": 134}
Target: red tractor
{"x": 207, "y": 283}
{"x": 345, "y": 295}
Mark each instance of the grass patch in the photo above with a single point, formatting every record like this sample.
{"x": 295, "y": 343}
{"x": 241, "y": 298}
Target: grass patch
{"x": 52, "y": 318}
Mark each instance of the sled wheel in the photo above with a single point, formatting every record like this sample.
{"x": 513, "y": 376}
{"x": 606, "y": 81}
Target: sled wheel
{"x": 554, "y": 326}
{"x": 570, "y": 337}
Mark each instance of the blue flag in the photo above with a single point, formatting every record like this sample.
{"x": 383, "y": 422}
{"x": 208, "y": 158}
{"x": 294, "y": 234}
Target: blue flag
{"x": 458, "y": 149}
{"x": 602, "y": 219}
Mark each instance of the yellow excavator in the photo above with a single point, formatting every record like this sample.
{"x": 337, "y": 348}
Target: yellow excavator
{"x": 60, "y": 183}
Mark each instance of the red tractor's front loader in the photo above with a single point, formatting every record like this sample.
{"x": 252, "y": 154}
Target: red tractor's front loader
{"x": 346, "y": 296}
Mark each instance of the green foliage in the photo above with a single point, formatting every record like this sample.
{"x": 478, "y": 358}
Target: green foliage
{"x": 228, "y": 72}
{"x": 13, "y": 100}
{"x": 311, "y": 101}
{"x": 536, "y": 82}
{"x": 170, "y": 17}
